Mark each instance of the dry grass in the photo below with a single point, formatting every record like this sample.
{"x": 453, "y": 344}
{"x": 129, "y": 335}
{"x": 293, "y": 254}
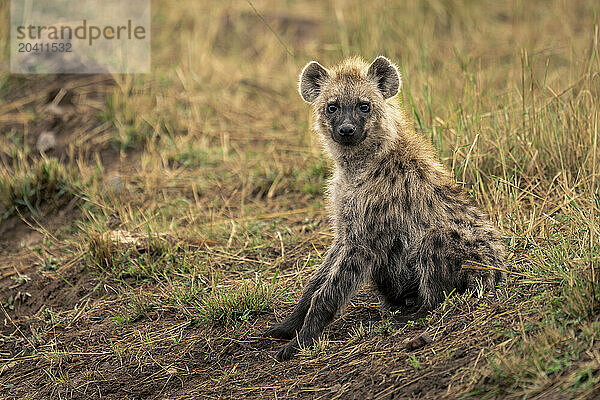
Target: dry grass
{"x": 210, "y": 163}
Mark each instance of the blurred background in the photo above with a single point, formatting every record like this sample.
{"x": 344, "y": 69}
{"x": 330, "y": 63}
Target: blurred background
{"x": 485, "y": 81}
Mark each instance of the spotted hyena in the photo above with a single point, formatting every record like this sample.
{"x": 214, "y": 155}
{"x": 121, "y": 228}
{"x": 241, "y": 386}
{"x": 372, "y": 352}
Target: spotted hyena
{"x": 399, "y": 219}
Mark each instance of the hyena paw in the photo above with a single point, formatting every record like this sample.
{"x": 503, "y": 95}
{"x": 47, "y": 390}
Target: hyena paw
{"x": 288, "y": 351}
{"x": 279, "y": 331}
{"x": 487, "y": 282}
{"x": 499, "y": 277}
{"x": 424, "y": 310}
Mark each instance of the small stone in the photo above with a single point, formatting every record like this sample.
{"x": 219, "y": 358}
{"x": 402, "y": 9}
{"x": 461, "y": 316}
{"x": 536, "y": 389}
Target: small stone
{"x": 6, "y": 367}
{"x": 115, "y": 183}
{"x": 55, "y": 110}
{"x": 141, "y": 242}
{"x": 46, "y": 141}
{"x": 31, "y": 239}
{"x": 418, "y": 341}
{"x": 335, "y": 388}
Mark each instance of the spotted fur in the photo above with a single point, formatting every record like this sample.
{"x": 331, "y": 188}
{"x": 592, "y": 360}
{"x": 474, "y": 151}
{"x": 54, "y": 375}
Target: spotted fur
{"x": 399, "y": 219}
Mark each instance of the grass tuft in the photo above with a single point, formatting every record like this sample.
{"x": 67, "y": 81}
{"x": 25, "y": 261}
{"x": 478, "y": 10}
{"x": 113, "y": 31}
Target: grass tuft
{"x": 230, "y": 306}
{"x": 32, "y": 185}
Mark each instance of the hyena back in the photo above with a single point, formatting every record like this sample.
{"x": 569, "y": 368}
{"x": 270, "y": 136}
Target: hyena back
{"x": 399, "y": 219}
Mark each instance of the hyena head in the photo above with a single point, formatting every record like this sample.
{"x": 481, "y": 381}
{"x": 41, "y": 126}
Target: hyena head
{"x": 351, "y": 112}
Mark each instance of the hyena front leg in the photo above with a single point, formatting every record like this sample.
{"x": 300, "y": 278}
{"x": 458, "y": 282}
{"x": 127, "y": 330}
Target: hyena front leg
{"x": 344, "y": 278}
{"x": 288, "y": 328}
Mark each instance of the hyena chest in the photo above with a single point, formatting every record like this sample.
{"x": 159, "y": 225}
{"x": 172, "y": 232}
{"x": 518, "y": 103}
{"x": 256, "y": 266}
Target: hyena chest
{"x": 371, "y": 217}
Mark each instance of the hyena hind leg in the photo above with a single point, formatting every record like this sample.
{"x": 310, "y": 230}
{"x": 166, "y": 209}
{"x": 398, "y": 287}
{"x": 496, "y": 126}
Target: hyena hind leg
{"x": 397, "y": 284}
{"x": 442, "y": 259}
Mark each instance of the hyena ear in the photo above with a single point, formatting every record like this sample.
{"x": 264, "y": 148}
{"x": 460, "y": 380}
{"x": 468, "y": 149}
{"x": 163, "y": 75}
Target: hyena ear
{"x": 386, "y": 76}
{"x": 311, "y": 79}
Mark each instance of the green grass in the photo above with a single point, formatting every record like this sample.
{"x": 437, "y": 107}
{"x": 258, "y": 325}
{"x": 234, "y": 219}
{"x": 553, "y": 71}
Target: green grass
{"x": 233, "y": 305}
{"x": 29, "y": 186}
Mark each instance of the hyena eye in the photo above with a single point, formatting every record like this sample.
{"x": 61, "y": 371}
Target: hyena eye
{"x": 331, "y": 108}
{"x": 364, "y": 107}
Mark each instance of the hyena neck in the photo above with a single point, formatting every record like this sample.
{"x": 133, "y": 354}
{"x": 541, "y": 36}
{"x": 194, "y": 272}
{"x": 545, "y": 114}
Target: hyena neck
{"x": 353, "y": 163}
{"x": 400, "y": 149}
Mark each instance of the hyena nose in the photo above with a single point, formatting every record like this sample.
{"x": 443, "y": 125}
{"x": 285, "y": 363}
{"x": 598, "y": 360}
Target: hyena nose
{"x": 347, "y": 130}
